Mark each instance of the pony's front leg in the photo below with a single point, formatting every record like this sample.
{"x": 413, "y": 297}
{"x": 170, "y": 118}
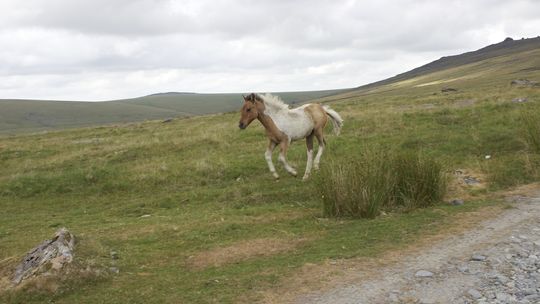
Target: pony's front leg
{"x": 268, "y": 157}
{"x": 284, "y": 145}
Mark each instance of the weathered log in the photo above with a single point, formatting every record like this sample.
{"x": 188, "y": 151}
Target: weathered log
{"x": 50, "y": 255}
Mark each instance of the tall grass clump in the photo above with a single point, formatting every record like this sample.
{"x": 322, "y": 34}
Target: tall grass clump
{"x": 379, "y": 180}
{"x": 420, "y": 181}
{"x": 531, "y": 130}
{"x": 355, "y": 187}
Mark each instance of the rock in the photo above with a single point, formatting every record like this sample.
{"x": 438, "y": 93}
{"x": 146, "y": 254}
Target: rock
{"x": 478, "y": 258}
{"x": 475, "y": 294}
{"x": 114, "y": 255}
{"x": 534, "y": 298}
{"x": 423, "y": 274}
{"x": 50, "y": 255}
{"x": 524, "y": 82}
{"x": 114, "y": 269}
{"x": 503, "y": 297}
{"x": 470, "y": 180}
{"x": 456, "y": 202}
{"x": 502, "y": 279}
{"x": 167, "y": 120}
{"x": 463, "y": 268}
{"x": 519, "y": 100}
{"x": 447, "y": 90}
{"x": 145, "y": 215}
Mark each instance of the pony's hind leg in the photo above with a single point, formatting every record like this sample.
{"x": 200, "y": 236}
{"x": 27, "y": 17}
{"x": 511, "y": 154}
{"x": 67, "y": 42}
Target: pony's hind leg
{"x": 268, "y": 156}
{"x": 284, "y": 145}
{"x": 322, "y": 143}
{"x": 309, "y": 164}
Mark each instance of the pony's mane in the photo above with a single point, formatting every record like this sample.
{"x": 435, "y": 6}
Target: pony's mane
{"x": 274, "y": 103}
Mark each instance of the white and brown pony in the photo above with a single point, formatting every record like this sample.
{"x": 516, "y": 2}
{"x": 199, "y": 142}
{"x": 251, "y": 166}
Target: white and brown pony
{"x": 284, "y": 125}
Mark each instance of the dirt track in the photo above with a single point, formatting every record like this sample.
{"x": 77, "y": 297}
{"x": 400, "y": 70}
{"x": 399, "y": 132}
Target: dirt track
{"x": 496, "y": 262}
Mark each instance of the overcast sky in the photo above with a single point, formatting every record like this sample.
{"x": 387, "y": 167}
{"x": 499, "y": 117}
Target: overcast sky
{"x": 105, "y": 49}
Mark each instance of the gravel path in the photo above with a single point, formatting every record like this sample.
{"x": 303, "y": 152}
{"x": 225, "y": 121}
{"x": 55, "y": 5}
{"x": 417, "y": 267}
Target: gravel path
{"x": 497, "y": 262}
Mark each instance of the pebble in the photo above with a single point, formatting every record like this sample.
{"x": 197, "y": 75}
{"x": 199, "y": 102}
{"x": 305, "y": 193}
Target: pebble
{"x": 478, "y": 258}
{"x": 475, "y": 294}
{"x": 424, "y": 274}
{"x": 463, "y": 268}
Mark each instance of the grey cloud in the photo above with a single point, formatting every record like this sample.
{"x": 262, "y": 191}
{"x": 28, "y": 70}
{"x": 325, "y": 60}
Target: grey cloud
{"x": 127, "y": 47}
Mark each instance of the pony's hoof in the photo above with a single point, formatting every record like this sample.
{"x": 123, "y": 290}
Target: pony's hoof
{"x": 305, "y": 178}
{"x": 276, "y": 176}
{"x": 293, "y": 173}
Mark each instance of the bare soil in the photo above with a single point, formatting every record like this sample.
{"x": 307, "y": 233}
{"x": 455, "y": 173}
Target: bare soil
{"x": 241, "y": 251}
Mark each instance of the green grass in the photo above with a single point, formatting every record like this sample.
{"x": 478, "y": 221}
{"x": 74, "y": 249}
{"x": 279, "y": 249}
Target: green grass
{"x": 380, "y": 178}
{"x": 206, "y": 186}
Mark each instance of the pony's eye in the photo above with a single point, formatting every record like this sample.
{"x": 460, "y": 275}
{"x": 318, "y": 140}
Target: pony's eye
{"x": 248, "y": 110}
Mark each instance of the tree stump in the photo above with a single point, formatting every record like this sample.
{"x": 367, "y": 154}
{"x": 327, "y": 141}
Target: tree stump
{"x": 50, "y": 255}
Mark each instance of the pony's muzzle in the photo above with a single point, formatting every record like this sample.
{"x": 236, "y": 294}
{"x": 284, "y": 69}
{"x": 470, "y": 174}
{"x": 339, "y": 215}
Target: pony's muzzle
{"x": 242, "y": 126}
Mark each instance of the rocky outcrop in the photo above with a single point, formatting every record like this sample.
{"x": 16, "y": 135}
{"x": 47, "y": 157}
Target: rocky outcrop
{"x": 49, "y": 256}
{"x": 524, "y": 83}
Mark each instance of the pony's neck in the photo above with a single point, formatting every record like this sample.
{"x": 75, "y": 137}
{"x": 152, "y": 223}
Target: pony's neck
{"x": 266, "y": 120}
{"x": 272, "y": 130}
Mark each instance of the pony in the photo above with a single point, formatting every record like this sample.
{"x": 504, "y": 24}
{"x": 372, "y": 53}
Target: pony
{"x": 284, "y": 125}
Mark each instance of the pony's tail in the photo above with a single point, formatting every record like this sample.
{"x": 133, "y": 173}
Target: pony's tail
{"x": 337, "y": 121}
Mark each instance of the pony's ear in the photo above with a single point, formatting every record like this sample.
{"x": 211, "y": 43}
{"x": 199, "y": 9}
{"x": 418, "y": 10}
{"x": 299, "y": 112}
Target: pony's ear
{"x": 244, "y": 97}
{"x": 250, "y": 97}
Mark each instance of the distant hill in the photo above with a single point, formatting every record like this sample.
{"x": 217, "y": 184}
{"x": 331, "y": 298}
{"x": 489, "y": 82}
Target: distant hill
{"x": 508, "y": 46}
{"x": 170, "y": 94}
{"x": 496, "y": 64}
{"x": 17, "y": 115}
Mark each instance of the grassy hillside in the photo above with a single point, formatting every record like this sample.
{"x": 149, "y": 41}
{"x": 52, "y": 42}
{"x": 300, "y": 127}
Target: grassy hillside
{"x": 506, "y": 47}
{"x": 195, "y": 216}
{"x": 34, "y": 115}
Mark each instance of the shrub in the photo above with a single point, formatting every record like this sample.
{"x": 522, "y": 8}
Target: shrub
{"x": 379, "y": 180}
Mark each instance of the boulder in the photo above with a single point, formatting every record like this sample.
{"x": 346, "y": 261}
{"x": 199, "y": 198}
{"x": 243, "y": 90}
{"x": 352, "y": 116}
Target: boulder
{"x": 50, "y": 255}
{"x": 525, "y": 83}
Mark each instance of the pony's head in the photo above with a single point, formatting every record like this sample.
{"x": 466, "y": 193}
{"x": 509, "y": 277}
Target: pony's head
{"x": 250, "y": 110}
